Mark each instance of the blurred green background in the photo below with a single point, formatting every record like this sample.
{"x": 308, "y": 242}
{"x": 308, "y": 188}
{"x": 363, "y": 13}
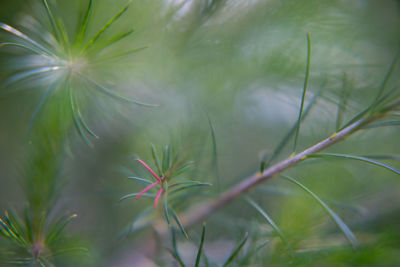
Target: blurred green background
{"x": 241, "y": 63}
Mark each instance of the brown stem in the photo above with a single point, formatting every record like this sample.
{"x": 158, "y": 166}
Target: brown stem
{"x": 202, "y": 211}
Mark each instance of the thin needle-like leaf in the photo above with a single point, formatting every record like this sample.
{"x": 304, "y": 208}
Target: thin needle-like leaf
{"x": 105, "y": 27}
{"x": 33, "y": 50}
{"x": 339, "y": 222}
{"x": 382, "y": 124}
{"x": 178, "y": 222}
{"x": 292, "y": 130}
{"x": 386, "y": 80}
{"x": 269, "y": 220}
{"x": 83, "y": 26}
{"x": 52, "y": 20}
{"x": 304, "y": 91}
{"x": 75, "y": 117}
{"x": 166, "y": 213}
{"x": 55, "y": 231}
{"x": 115, "y": 95}
{"x": 39, "y": 105}
{"x": 189, "y": 187}
{"x": 149, "y": 169}
{"x": 342, "y": 102}
{"x": 236, "y": 251}
{"x": 166, "y": 158}
{"x": 117, "y": 56}
{"x": 175, "y": 253}
{"x": 214, "y": 154}
{"x": 135, "y": 195}
{"x": 156, "y": 159}
{"x": 116, "y": 38}
{"x": 364, "y": 159}
{"x": 23, "y": 36}
{"x": 203, "y": 233}
{"x": 140, "y": 179}
{"x": 27, "y": 74}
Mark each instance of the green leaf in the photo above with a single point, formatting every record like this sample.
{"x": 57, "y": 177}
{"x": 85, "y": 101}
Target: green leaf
{"x": 183, "y": 169}
{"x": 364, "y": 159}
{"x": 292, "y": 130}
{"x": 135, "y": 195}
{"x": 165, "y": 207}
{"x": 189, "y": 187}
{"x": 236, "y": 251}
{"x": 83, "y": 26}
{"x": 269, "y": 220}
{"x": 116, "y": 38}
{"x": 28, "y": 225}
{"x": 114, "y": 57}
{"x": 303, "y": 97}
{"x": 52, "y": 20}
{"x": 33, "y": 50}
{"x": 58, "y": 227}
{"x": 134, "y": 226}
{"x": 166, "y": 158}
{"x": 339, "y": 222}
{"x": 385, "y": 81}
{"x": 105, "y": 27}
{"x": 77, "y": 122}
{"x": 214, "y": 154}
{"x": 113, "y": 94}
{"x": 382, "y": 124}
{"x": 42, "y": 100}
{"x": 178, "y": 222}
{"x": 343, "y": 102}
{"x": 200, "y": 246}
{"x": 23, "y": 36}
{"x": 140, "y": 179}
{"x": 156, "y": 159}
{"x": 175, "y": 253}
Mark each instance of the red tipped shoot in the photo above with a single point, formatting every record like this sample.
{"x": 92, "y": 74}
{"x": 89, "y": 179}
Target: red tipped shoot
{"x": 149, "y": 169}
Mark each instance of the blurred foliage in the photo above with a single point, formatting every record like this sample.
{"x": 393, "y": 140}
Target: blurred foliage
{"x": 228, "y": 78}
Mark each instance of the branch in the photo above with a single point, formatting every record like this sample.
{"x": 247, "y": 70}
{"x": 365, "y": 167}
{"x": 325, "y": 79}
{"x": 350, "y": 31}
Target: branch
{"x": 202, "y": 211}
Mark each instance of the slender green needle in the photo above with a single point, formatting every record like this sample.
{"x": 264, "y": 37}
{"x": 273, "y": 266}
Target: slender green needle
{"x": 23, "y": 36}
{"x": 113, "y": 94}
{"x": 382, "y": 124}
{"x": 269, "y": 220}
{"x": 342, "y": 102}
{"x": 214, "y": 154}
{"x": 385, "y": 80}
{"x": 292, "y": 130}
{"x": 339, "y": 222}
{"x": 83, "y": 26}
{"x": 140, "y": 179}
{"x": 203, "y": 233}
{"x": 156, "y": 159}
{"x": 190, "y": 186}
{"x": 105, "y": 27}
{"x": 52, "y": 20}
{"x": 175, "y": 251}
{"x": 135, "y": 195}
{"x": 304, "y": 91}
{"x": 75, "y": 117}
{"x": 42, "y": 100}
{"x": 364, "y": 159}
{"x": 165, "y": 207}
{"x": 236, "y": 251}
{"x": 33, "y": 50}
{"x": 178, "y": 222}
{"x": 116, "y": 39}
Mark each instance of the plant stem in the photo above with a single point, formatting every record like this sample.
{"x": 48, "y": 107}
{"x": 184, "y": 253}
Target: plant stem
{"x": 204, "y": 210}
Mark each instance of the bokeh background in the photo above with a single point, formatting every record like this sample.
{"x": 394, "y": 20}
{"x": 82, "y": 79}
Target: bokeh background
{"x": 241, "y": 64}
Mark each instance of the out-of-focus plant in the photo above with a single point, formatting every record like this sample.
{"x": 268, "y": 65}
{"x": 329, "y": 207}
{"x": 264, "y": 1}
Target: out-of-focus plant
{"x": 65, "y": 62}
